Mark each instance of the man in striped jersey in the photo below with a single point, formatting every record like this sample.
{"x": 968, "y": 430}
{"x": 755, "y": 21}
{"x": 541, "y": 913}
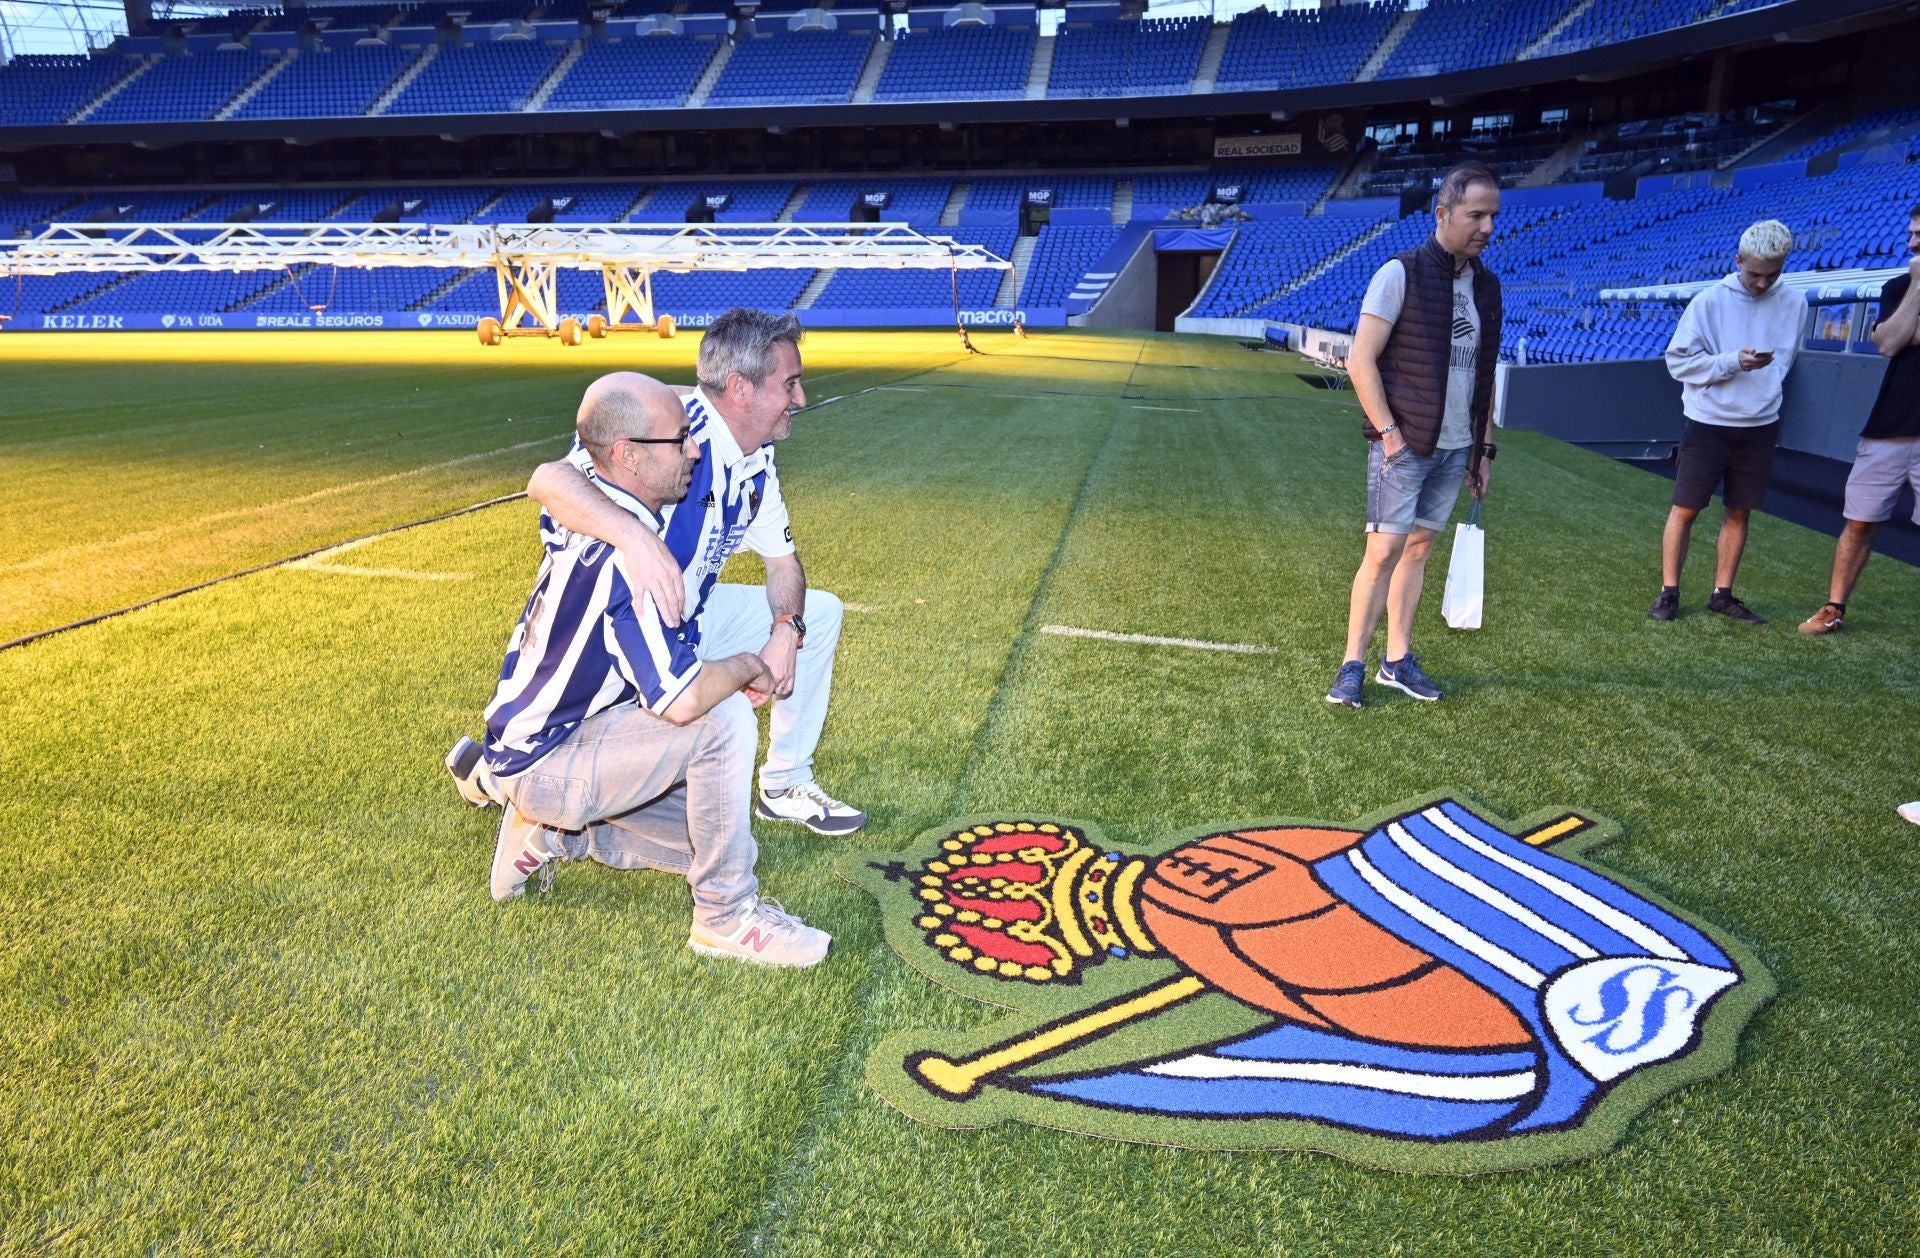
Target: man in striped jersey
{"x": 749, "y": 372}
{"x": 609, "y": 735}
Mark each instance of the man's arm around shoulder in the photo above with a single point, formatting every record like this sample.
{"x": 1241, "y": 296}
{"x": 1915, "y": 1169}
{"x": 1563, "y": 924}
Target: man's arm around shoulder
{"x": 570, "y": 498}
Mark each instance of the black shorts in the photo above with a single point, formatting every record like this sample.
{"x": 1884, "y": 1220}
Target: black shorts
{"x": 1712, "y": 453}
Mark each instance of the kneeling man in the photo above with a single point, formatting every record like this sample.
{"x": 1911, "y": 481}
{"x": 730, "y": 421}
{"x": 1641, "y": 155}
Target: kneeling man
{"x": 609, "y": 736}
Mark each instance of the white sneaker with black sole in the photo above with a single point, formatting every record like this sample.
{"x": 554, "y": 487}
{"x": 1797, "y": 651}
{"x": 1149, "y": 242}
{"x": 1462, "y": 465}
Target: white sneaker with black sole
{"x": 812, "y": 807}
{"x": 469, "y": 773}
{"x": 764, "y": 934}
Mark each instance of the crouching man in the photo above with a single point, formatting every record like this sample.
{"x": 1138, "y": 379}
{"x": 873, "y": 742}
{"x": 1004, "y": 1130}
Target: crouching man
{"x": 609, "y": 736}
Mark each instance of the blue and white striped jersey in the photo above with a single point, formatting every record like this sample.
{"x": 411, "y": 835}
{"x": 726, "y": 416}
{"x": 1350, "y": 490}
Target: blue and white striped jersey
{"x": 733, "y": 500}
{"x": 582, "y": 646}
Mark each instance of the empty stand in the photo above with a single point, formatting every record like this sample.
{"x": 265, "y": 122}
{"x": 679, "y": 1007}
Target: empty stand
{"x": 797, "y": 67}
{"x": 184, "y": 88}
{"x": 958, "y": 63}
{"x": 495, "y": 77}
{"x": 1147, "y": 56}
{"x": 651, "y": 71}
{"x": 330, "y": 83}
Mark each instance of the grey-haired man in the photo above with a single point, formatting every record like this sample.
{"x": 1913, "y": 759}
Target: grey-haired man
{"x": 749, "y": 371}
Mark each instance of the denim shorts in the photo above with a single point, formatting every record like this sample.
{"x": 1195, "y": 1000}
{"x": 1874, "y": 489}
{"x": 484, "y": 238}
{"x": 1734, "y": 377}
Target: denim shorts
{"x": 1410, "y": 490}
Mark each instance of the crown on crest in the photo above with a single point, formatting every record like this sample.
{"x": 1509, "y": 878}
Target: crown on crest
{"x": 1030, "y": 901}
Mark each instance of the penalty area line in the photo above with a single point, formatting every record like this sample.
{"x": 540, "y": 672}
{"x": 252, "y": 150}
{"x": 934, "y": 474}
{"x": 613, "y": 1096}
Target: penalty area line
{"x": 288, "y": 562}
{"x": 1146, "y": 639}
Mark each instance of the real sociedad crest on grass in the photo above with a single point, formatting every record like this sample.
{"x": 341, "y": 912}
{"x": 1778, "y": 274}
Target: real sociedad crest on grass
{"x": 1438, "y": 991}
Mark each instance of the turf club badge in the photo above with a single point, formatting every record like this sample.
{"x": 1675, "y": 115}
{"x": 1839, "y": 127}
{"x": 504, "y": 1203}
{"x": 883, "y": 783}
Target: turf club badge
{"x": 1437, "y": 991}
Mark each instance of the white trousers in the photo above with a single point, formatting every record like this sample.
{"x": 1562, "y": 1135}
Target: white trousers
{"x": 737, "y": 618}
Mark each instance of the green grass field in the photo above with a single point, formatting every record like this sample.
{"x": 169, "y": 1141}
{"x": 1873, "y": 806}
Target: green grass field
{"x": 254, "y": 998}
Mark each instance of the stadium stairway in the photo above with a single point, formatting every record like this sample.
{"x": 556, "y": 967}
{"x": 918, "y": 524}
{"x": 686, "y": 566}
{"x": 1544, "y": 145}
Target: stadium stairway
{"x": 1549, "y": 171}
{"x": 1041, "y": 68}
{"x": 794, "y": 202}
{"x": 715, "y": 68}
{"x": 1122, "y": 200}
{"x": 1553, "y": 32}
{"x": 815, "y": 286}
{"x": 1013, "y": 281}
{"x": 956, "y": 200}
{"x": 1397, "y": 32}
{"x": 869, "y": 80}
{"x": 118, "y": 86}
{"x": 1326, "y": 264}
{"x": 434, "y": 294}
{"x": 253, "y": 89}
{"x": 399, "y": 85}
{"x": 1211, "y": 56}
{"x": 555, "y": 78}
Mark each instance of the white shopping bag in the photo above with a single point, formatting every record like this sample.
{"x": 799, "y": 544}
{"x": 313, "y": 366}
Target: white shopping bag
{"x": 1466, "y": 574}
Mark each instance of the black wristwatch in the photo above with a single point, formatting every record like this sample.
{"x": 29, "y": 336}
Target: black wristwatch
{"x": 799, "y": 627}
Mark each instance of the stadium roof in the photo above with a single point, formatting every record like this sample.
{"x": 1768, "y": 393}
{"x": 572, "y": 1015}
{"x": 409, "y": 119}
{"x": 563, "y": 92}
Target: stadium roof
{"x": 1823, "y": 288}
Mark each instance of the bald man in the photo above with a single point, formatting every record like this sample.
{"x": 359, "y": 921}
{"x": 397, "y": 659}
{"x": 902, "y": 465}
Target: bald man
{"x": 609, "y": 737}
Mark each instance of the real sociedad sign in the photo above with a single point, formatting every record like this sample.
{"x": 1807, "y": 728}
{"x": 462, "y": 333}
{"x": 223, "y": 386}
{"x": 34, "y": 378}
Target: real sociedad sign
{"x": 1436, "y": 990}
{"x": 1234, "y": 146}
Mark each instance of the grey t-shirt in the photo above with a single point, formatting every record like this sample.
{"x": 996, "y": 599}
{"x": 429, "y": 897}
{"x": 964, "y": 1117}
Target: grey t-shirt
{"x": 1387, "y": 293}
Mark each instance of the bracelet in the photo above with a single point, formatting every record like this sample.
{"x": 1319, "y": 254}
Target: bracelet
{"x": 1390, "y": 428}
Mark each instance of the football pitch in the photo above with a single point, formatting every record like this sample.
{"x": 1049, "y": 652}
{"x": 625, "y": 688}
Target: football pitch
{"x": 254, "y": 996}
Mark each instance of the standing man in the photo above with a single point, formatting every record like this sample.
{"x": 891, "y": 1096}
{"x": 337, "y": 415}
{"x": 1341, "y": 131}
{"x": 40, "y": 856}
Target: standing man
{"x": 1426, "y": 385}
{"x": 749, "y": 386}
{"x": 608, "y": 736}
{"x": 1731, "y": 354}
{"x": 1889, "y": 452}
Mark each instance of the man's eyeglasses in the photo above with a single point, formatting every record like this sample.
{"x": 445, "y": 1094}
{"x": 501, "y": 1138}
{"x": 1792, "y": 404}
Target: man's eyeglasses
{"x": 658, "y": 441}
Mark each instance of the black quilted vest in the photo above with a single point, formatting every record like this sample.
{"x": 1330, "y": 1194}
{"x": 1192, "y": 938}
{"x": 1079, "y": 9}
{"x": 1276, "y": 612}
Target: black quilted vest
{"x": 1414, "y": 365}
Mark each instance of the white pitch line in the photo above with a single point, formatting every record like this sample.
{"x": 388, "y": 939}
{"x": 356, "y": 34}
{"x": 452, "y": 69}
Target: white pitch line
{"x": 1194, "y": 644}
{"x": 404, "y": 574}
{"x": 50, "y": 558}
{"x": 1182, "y": 410}
{"x": 896, "y": 388}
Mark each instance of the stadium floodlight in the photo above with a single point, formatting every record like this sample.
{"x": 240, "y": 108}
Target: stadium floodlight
{"x": 526, "y": 258}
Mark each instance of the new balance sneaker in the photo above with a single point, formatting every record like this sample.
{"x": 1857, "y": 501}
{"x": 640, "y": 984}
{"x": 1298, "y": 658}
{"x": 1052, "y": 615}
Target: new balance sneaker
{"x": 518, "y": 854}
{"x": 1724, "y": 603}
{"x": 812, "y": 807}
{"x": 764, "y": 934}
{"x": 1829, "y": 619}
{"x": 1911, "y": 812}
{"x": 1665, "y": 607}
{"x": 1347, "y": 683}
{"x": 469, "y": 773}
{"x": 1404, "y": 674}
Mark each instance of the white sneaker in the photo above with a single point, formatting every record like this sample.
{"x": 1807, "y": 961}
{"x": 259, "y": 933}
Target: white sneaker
{"x": 812, "y": 807}
{"x": 518, "y": 854}
{"x": 764, "y": 934}
{"x": 470, "y": 776}
{"x": 1911, "y": 812}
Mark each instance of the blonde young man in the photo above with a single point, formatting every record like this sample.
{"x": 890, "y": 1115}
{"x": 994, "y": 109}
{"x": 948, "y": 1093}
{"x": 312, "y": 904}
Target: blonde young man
{"x": 1731, "y": 354}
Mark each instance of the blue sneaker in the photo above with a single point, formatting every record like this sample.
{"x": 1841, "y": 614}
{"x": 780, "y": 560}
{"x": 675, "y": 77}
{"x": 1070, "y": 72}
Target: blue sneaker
{"x": 1405, "y": 674}
{"x": 1346, "y": 684}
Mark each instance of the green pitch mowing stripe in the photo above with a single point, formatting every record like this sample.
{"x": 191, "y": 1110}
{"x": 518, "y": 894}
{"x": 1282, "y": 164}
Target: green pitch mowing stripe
{"x": 252, "y": 996}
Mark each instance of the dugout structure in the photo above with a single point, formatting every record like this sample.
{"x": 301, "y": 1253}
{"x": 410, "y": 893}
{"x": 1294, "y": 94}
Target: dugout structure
{"x": 526, "y": 259}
